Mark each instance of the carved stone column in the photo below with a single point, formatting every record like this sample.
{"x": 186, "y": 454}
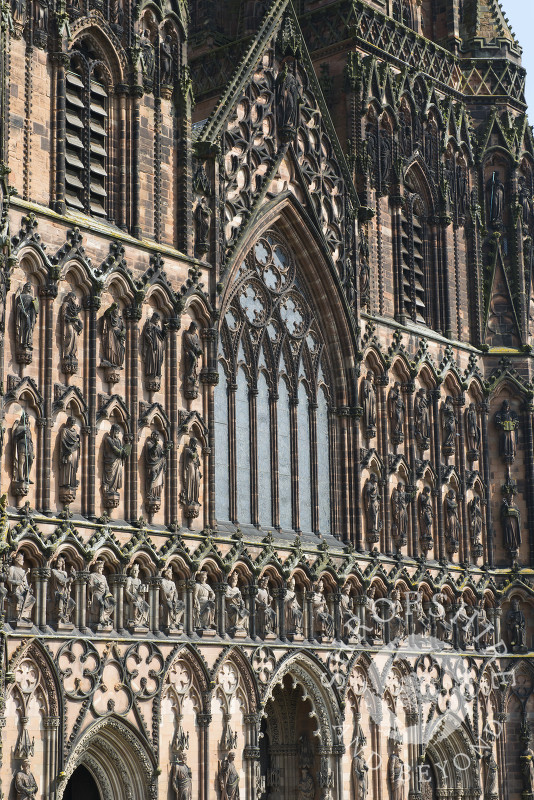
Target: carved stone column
{"x": 279, "y": 596}
{"x": 80, "y": 587}
{"x": 117, "y": 583}
{"x": 154, "y": 584}
{"x": 189, "y": 589}
{"x": 220, "y": 614}
{"x": 309, "y": 632}
{"x": 486, "y": 453}
{"x": 41, "y": 577}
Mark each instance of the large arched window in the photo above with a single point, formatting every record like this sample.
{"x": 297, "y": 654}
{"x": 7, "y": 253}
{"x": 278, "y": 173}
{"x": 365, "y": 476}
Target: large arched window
{"x": 272, "y": 439}
{"x": 414, "y": 256}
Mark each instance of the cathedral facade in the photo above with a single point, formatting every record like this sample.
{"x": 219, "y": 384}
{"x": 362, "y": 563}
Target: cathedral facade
{"x": 266, "y": 401}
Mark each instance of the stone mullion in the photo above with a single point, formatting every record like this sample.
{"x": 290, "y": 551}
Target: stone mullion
{"x": 293, "y": 436}
{"x": 314, "y": 469}
{"x": 486, "y": 456}
{"x": 435, "y": 394}
{"x": 133, "y": 316}
{"x": 409, "y": 390}
{"x": 253, "y": 425}
{"x": 460, "y": 402}
{"x": 396, "y": 234}
{"x": 333, "y": 460}
{"x": 91, "y": 305}
{"x": 275, "y": 490}
{"x": 528, "y": 411}
{"x": 48, "y": 293}
{"x": 231, "y": 389}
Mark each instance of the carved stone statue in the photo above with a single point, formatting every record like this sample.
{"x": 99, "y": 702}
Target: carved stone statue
{"x": 287, "y": 102}
{"x": 113, "y": 342}
{"x": 527, "y": 768}
{"x": 426, "y": 518}
{"x": 508, "y": 422}
{"x": 265, "y": 613}
{"x": 166, "y": 66}
{"x": 365, "y": 272}
{"x": 115, "y": 454}
{"x": 517, "y": 628}
{"x": 293, "y": 611}
{"x": 152, "y": 351}
{"x": 306, "y": 785}
{"x": 192, "y": 353}
{"x": 396, "y": 777}
{"x": 323, "y": 621}
{"x": 228, "y": 778}
{"x": 525, "y": 202}
{"x": 26, "y": 311}
{"x": 452, "y": 522}
{"x": 421, "y": 413}
{"x": 472, "y": 430}
{"x": 396, "y": 413}
{"x": 386, "y": 157}
{"x": 420, "y": 620}
{"x": 448, "y": 417}
{"x": 61, "y": 588}
{"x": 173, "y": 607}
{"x": 146, "y": 58}
{"x": 373, "y": 621}
{"x": 71, "y": 327}
{"x": 368, "y": 403}
{"x": 399, "y": 513}
{"x": 182, "y": 778}
{"x": 155, "y": 469}
{"x": 69, "y": 457}
{"x": 464, "y": 623}
{"x": 25, "y": 784}
{"x": 349, "y": 621}
{"x": 101, "y": 602}
{"x": 439, "y": 615}
{"x": 511, "y": 524}
{"x": 359, "y": 775}
{"x": 23, "y": 455}
{"x": 372, "y": 508}
{"x": 134, "y": 591}
{"x": 495, "y": 189}
{"x": 202, "y": 219}
{"x": 20, "y": 591}
{"x": 203, "y": 603}
{"x": 475, "y": 520}
{"x": 397, "y": 623}
{"x": 192, "y": 476}
{"x": 236, "y": 611}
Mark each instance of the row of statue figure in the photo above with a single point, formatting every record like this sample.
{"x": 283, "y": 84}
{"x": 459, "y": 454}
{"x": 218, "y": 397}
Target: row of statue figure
{"x": 81, "y": 599}
{"x": 112, "y": 340}
{"x": 116, "y": 449}
{"x": 506, "y": 421}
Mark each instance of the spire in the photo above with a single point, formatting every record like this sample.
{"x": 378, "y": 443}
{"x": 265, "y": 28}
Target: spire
{"x": 484, "y": 24}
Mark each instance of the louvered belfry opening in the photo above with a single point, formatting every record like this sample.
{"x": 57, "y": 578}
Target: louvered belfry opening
{"x": 87, "y": 102}
{"x": 413, "y": 260}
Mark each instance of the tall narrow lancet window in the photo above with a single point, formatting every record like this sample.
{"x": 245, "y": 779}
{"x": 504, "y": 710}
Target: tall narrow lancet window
{"x": 415, "y": 258}
{"x": 271, "y": 404}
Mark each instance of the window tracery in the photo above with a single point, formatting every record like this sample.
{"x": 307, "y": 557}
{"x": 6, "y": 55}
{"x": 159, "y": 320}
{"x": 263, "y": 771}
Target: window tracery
{"x": 272, "y": 393}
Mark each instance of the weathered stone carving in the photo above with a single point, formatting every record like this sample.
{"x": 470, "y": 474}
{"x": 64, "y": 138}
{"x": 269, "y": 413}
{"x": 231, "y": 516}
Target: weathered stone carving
{"x": 228, "y": 778}
{"x": 399, "y": 512}
{"x": 525, "y": 203}
{"x": 421, "y": 622}
{"x": 182, "y": 778}
{"x": 475, "y": 524}
{"x": 449, "y": 425}
{"x": 287, "y": 102}
{"x": 203, "y": 603}
{"x": 426, "y": 519}
{"x": 293, "y": 610}
{"x": 306, "y": 786}
{"x": 495, "y": 191}
{"x": 236, "y": 611}
{"x": 192, "y": 352}
{"x": 101, "y": 602}
{"x": 202, "y": 219}
{"x": 71, "y": 327}
{"x": 20, "y": 591}
{"x": 192, "y": 476}
{"x": 439, "y": 613}
{"x": 396, "y": 410}
{"x": 359, "y": 773}
{"x": 147, "y": 59}
{"x": 396, "y": 614}
{"x": 472, "y": 431}
{"x": 452, "y": 522}
{"x": 368, "y": 403}
{"x": 265, "y": 613}
{"x": 508, "y": 422}
{"x": 115, "y": 454}
{"x": 134, "y": 591}
{"x": 26, "y": 311}
{"x": 323, "y": 621}
{"x": 69, "y": 458}
{"x": 23, "y": 455}
{"x": 372, "y": 509}
{"x": 166, "y": 62}
{"x": 527, "y": 768}
{"x": 113, "y": 343}
{"x": 152, "y": 349}
{"x": 173, "y": 607}
{"x": 61, "y": 589}
{"x": 349, "y": 620}
{"x": 517, "y": 628}
{"x": 155, "y": 469}
{"x": 25, "y": 784}
{"x": 396, "y": 776}
{"x": 373, "y": 621}
{"x": 421, "y": 406}
{"x": 511, "y": 523}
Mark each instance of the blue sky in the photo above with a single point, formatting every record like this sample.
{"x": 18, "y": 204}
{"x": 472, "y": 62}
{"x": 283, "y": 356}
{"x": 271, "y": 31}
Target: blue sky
{"x": 521, "y": 16}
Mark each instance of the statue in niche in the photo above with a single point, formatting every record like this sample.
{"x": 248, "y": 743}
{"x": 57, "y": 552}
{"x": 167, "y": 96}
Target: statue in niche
{"x": 23, "y": 455}
{"x": 525, "y": 203}
{"x": 490, "y": 782}
{"x": 166, "y": 62}
{"x": 527, "y": 768}
{"x": 511, "y": 524}
{"x": 461, "y": 190}
{"x": 113, "y": 342}
{"x": 439, "y": 614}
{"x": 40, "y": 17}
{"x": 495, "y": 190}
{"x": 155, "y": 469}
{"x": 464, "y": 622}
{"x": 203, "y": 603}
{"x": 192, "y": 352}
{"x": 517, "y": 628}
{"x": 421, "y": 406}
{"x": 405, "y": 133}
{"x": 26, "y": 311}
{"x": 396, "y": 409}
{"x": 372, "y": 508}
{"x": 25, "y": 784}
{"x": 399, "y": 512}
{"x": 115, "y": 454}
{"x": 368, "y": 403}
{"x": 192, "y": 475}
{"x": 472, "y": 430}
{"x": 426, "y": 518}
{"x": 134, "y": 591}
{"x": 202, "y": 219}
{"x": 71, "y": 327}
{"x": 386, "y": 157}
{"x": 420, "y": 619}
{"x": 350, "y": 623}
{"x": 359, "y": 773}
{"x": 293, "y": 610}
{"x": 396, "y": 777}
{"x": 397, "y": 623}
{"x": 508, "y": 422}
{"x": 69, "y": 458}
{"x": 18, "y": 10}
{"x": 99, "y": 598}
{"x": 20, "y": 590}
{"x": 475, "y": 520}
{"x": 265, "y": 613}
{"x": 182, "y": 778}
{"x": 228, "y": 778}
{"x": 173, "y": 607}
{"x": 287, "y": 101}
{"x": 322, "y": 618}
{"x": 146, "y": 58}
{"x": 306, "y": 785}
{"x": 61, "y": 589}
{"x": 485, "y": 628}
{"x": 448, "y": 416}
{"x": 152, "y": 351}
{"x": 236, "y": 611}
{"x": 374, "y": 623}
{"x": 452, "y": 522}
{"x": 365, "y": 272}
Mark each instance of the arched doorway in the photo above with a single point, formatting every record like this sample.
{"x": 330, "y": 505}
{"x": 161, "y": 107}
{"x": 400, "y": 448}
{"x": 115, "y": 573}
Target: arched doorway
{"x": 81, "y": 786}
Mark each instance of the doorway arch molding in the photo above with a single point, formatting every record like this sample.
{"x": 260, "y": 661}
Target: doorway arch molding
{"x": 122, "y": 765}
